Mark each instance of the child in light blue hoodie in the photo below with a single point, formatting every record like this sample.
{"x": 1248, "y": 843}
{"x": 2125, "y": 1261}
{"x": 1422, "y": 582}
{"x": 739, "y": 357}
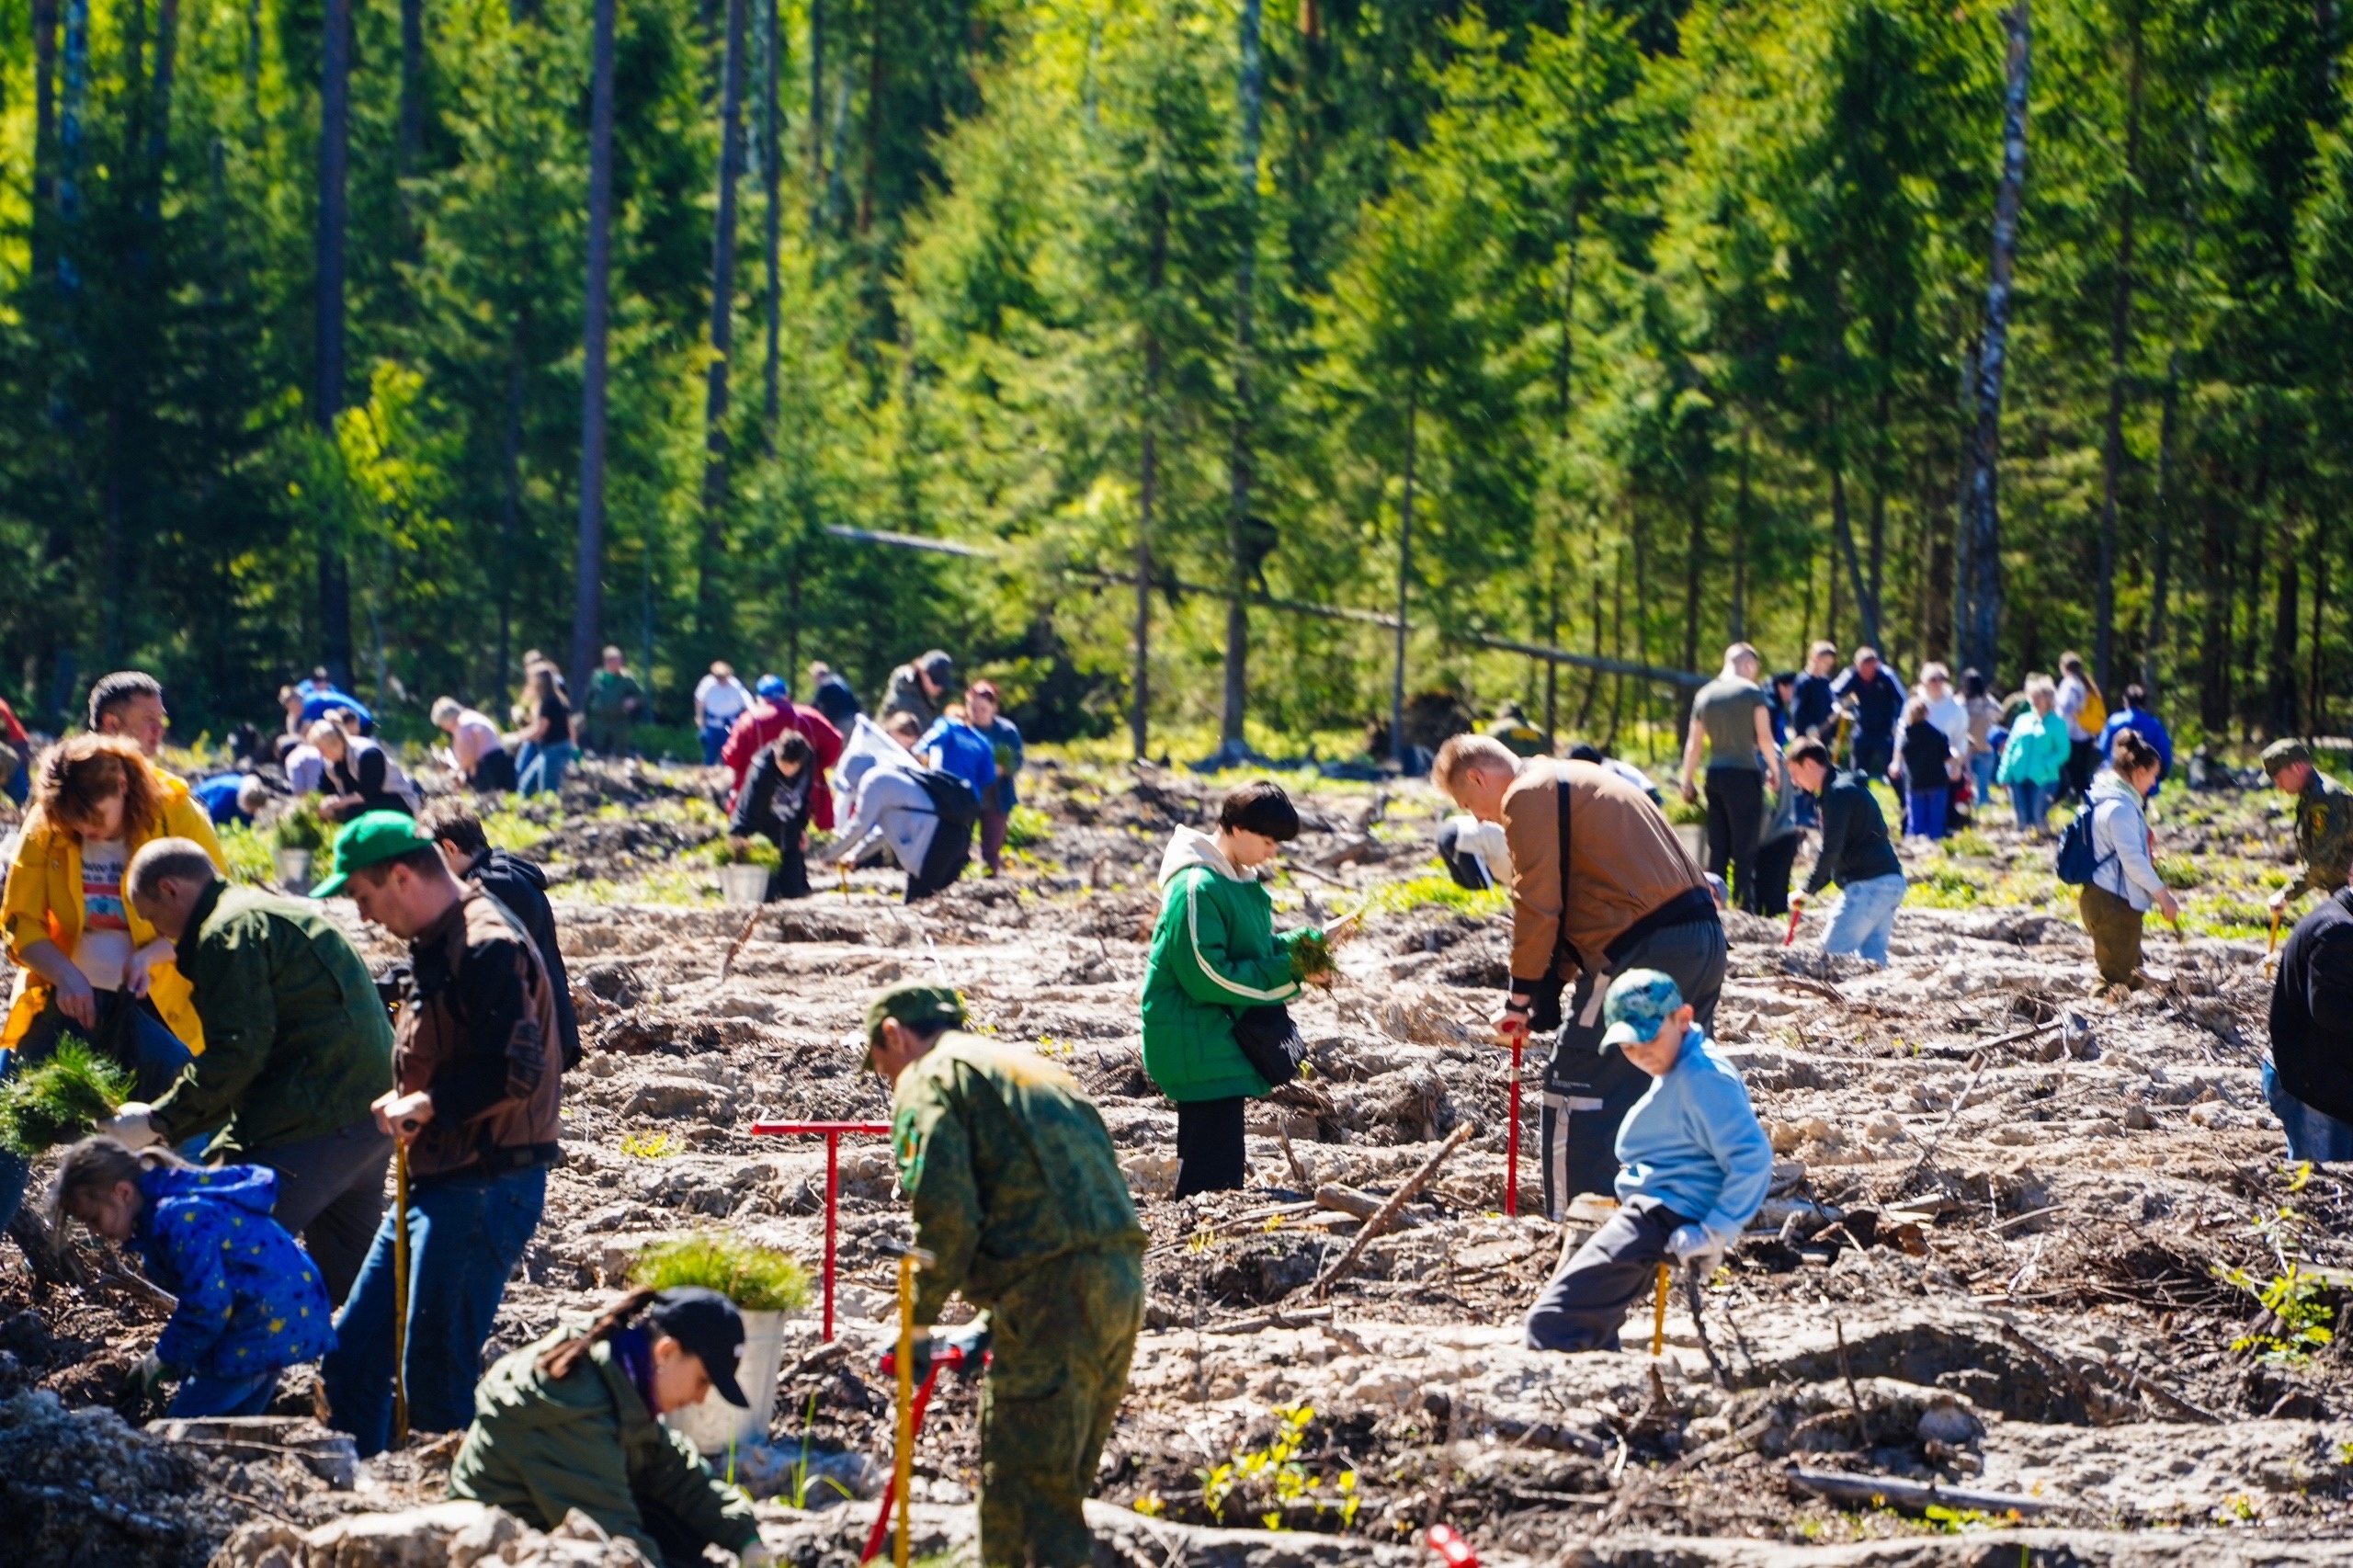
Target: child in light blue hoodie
{"x": 1693, "y": 1167}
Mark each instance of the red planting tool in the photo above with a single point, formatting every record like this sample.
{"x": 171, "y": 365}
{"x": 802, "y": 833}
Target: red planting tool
{"x": 832, "y": 1132}
{"x": 1452, "y": 1550}
{"x": 951, "y": 1354}
{"x": 1511, "y": 1140}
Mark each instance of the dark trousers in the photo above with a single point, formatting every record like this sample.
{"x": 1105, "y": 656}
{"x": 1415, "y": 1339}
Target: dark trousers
{"x": 494, "y": 775}
{"x": 1874, "y": 754}
{"x": 1735, "y": 815}
{"x": 790, "y": 877}
{"x": 1209, "y": 1145}
{"x": 950, "y": 852}
{"x": 2082, "y": 761}
{"x": 1775, "y": 861}
{"x": 2115, "y": 930}
{"x": 331, "y": 1193}
{"x": 1584, "y": 1305}
{"x": 1588, "y": 1091}
{"x": 994, "y": 827}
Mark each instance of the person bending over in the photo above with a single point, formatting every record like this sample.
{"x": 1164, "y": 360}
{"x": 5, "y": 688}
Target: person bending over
{"x": 777, "y": 802}
{"x": 1693, "y": 1168}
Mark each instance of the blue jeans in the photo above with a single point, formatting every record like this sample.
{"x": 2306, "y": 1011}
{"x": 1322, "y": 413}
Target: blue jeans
{"x": 203, "y": 1394}
{"x": 1866, "y": 916}
{"x": 155, "y": 1057}
{"x": 542, "y": 767}
{"x": 19, "y": 785}
{"x": 715, "y": 736}
{"x": 2312, "y": 1135}
{"x": 1980, "y": 778}
{"x": 465, "y": 1235}
{"x": 1924, "y": 811}
{"x": 2031, "y": 801}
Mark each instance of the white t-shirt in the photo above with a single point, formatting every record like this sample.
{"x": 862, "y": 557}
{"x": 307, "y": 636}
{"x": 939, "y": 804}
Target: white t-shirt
{"x": 103, "y": 950}
{"x": 722, "y": 701}
{"x": 1951, "y": 714}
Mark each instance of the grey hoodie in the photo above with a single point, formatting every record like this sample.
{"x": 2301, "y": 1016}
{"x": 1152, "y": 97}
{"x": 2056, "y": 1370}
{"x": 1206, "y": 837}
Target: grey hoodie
{"x": 2120, "y": 842}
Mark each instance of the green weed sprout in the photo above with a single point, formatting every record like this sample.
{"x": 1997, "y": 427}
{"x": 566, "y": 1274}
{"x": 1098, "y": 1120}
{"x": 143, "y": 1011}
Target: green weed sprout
{"x": 300, "y": 828}
{"x": 61, "y": 1100}
{"x": 756, "y": 1278}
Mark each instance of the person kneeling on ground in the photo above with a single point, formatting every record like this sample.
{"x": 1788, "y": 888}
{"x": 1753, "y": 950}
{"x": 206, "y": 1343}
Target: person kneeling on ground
{"x": 777, "y": 801}
{"x": 1856, "y": 855}
{"x": 1693, "y": 1168}
{"x": 1215, "y": 960}
{"x": 2307, "y": 1078}
{"x": 1017, "y": 1195}
{"x": 572, "y": 1422}
{"x": 251, "y": 1304}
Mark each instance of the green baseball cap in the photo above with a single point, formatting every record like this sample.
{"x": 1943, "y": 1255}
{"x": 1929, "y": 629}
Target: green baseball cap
{"x": 917, "y": 1007}
{"x": 1639, "y": 1003}
{"x": 371, "y": 839}
{"x": 2280, "y": 755}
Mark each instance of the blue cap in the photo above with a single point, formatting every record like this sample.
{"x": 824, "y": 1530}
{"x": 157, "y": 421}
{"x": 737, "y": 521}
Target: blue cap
{"x": 773, "y": 689}
{"x": 1639, "y": 1003}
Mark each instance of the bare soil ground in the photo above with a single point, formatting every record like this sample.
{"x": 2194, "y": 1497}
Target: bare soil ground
{"x": 2026, "y": 1240}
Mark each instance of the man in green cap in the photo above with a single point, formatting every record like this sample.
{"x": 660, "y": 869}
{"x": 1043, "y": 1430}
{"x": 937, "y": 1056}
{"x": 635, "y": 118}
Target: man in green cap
{"x": 296, "y": 1050}
{"x": 475, "y": 1098}
{"x": 2323, "y": 820}
{"x": 1694, "y": 1166}
{"x": 1018, "y": 1198}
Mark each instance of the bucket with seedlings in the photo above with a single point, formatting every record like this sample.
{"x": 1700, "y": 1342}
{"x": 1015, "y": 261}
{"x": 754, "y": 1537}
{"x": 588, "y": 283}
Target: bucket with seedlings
{"x": 768, "y": 1288}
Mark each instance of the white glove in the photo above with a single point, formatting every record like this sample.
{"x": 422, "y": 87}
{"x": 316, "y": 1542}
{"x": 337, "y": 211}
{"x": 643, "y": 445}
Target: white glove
{"x": 1693, "y": 1248}
{"x": 759, "y": 1554}
{"x": 133, "y": 1125}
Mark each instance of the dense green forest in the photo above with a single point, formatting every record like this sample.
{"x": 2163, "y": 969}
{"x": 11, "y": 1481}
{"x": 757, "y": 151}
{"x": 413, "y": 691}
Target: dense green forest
{"x": 361, "y": 331}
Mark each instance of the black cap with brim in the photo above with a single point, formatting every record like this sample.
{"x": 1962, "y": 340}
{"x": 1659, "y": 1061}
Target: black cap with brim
{"x": 707, "y": 1325}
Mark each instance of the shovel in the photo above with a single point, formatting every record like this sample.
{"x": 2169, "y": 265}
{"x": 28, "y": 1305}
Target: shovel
{"x": 1700, "y": 1322}
{"x": 399, "y": 1294}
{"x": 1658, "y": 1314}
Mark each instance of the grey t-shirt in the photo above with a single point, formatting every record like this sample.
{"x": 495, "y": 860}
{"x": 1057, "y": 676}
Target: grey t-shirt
{"x": 1727, "y": 709}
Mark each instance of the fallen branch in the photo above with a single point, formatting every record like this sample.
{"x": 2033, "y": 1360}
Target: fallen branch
{"x": 1649, "y": 1480}
{"x": 1298, "y": 1171}
{"x": 1854, "y": 1395}
{"x": 1960, "y": 1103}
{"x": 1822, "y": 989}
{"x": 1398, "y": 1199}
{"x": 1914, "y": 1497}
{"x": 1263, "y": 1320}
{"x": 1349, "y": 1200}
{"x": 2162, "y": 1395}
{"x": 832, "y": 1350}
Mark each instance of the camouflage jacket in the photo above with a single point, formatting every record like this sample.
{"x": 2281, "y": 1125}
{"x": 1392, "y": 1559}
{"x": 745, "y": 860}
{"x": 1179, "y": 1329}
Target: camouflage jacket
{"x": 2323, "y": 834}
{"x": 1007, "y": 1165}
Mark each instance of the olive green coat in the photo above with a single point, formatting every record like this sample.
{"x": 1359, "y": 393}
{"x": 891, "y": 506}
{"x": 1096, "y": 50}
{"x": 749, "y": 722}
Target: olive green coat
{"x": 296, "y": 1042}
{"x": 540, "y": 1447}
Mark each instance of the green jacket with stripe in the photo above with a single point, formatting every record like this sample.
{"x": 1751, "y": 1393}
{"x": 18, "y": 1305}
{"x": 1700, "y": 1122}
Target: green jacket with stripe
{"x": 1213, "y": 953}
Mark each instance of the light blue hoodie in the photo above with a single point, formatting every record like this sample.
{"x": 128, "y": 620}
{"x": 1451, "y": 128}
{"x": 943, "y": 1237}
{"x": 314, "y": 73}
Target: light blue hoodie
{"x": 1694, "y": 1143}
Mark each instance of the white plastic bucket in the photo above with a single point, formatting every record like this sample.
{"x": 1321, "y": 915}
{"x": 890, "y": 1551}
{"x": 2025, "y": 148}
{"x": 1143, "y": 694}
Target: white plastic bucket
{"x": 294, "y": 869}
{"x": 745, "y": 884}
{"x": 713, "y": 1423}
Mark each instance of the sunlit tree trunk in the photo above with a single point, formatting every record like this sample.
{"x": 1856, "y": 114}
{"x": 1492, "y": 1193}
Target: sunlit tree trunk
{"x": 1252, "y": 96}
{"x": 587, "y": 594}
{"x": 712, "y": 587}
{"x": 1405, "y": 574}
{"x": 335, "y": 152}
{"x": 1981, "y": 633}
{"x": 2119, "y": 346}
{"x": 771, "y": 217}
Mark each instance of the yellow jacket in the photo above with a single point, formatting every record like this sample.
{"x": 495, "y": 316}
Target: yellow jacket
{"x": 44, "y": 903}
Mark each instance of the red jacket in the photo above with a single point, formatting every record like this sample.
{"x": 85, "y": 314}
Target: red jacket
{"x": 760, "y": 725}
{"x": 12, "y": 731}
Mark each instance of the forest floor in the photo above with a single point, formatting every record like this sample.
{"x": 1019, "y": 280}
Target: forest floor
{"x": 2026, "y": 1240}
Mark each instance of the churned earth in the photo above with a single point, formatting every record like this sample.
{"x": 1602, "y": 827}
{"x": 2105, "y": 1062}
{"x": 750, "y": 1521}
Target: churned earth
{"x": 2037, "y": 1283}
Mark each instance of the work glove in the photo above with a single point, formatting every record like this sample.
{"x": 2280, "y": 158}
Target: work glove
{"x": 152, "y": 1372}
{"x": 759, "y": 1554}
{"x": 133, "y": 1125}
{"x": 1694, "y": 1248}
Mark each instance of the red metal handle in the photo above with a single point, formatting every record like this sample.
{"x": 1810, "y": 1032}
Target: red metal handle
{"x": 1451, "y": 1547}
{"x": 890, "y": 1487}
{"x": 791, "y": 1128}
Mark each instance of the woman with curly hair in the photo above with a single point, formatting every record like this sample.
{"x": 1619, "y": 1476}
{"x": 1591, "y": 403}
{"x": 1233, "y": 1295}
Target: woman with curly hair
{"x": 97, "y": 970}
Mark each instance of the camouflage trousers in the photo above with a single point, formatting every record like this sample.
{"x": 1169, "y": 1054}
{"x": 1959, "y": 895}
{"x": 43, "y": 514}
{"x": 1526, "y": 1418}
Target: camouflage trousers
{"x": 1062, "y": 1338}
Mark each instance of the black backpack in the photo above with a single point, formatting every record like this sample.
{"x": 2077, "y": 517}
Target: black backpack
{"x": 956, "y": 802}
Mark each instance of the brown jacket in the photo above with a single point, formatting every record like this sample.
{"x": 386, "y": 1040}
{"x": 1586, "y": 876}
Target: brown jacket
{"x": 477, "y": 1029}
{"x": 1625, "y": 862}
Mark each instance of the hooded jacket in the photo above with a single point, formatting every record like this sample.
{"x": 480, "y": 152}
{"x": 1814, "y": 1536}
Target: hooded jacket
{"x": 891, "y": 804}
{"x": 762, "y": 724}
{"x": 1213, "y": 951}
{"x": 250, "y": 1300}
{"x": 2037, "y": 751}
{"x": 522, "y": 887}
{"x": 2311, "y": 1008}
{"x": 297, "y": 1043}
{"x": 43, "y": 903}
{"x": 542, "y": 1446}
{"x": 476, "y": 1023}
{"x": 2120, "y": 842}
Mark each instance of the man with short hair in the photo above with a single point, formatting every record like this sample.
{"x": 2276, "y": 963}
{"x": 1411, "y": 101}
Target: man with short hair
{"x": 917, "y": 688}
{"x": 2307, "y": 1078}
{"x": 614, "y": 701}
{"x": 1871, "y": 691}
{"x": 297, "y": 1048}
{"x": 475, "y": 1096}
{"x": 1812, "y": 710}
{"x": 129, "y": 704}
{"x": 516, "y": 884}
{"x": 1733, "y": 720}
{"x": 235, "y": 798}
{"x": 2323, "y": 820}
{"x": 1856, "y": 855}
{"x": 832, "y": 696}
{"x": 720, "y": 701}
{"x": 1695, "y": 1165}
{"x": 1016, "y": 1193}
{"x": 1600, "y": 885}
{"x": 771, "y": 715}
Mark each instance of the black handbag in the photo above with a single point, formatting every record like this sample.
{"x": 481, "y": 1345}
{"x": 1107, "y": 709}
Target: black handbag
{"x": 1270, "y": 1043}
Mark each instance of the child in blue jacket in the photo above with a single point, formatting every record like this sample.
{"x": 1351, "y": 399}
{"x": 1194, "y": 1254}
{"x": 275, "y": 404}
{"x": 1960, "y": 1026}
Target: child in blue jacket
{"x": 251, "y": 1304}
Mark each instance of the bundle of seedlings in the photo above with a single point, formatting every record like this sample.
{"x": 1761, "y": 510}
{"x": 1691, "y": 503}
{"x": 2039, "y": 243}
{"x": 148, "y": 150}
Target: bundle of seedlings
{"x": 756, "y": 1278}
{"x": 61, "y": 1100}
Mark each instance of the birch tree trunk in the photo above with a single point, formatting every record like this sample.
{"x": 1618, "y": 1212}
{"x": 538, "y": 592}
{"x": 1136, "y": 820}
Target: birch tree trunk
{"x": 1981, "y": 634}
{"x": 1252, "y": 94}
{"x": 772, "y": 182}
{"x": 587, "y": 590}
{"x": 2119, "y": 346}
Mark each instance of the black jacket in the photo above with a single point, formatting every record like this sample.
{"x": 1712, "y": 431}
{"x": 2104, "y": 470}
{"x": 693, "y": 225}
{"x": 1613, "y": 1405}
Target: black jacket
{"x": 1926, "y": 753}
{"x": 1878, "y": 701}
{"x": 522, "y": 888}
{"x": 2311, "y": 1009}
{"x": 1854, "y": 837}
{"x": 771, "y": 804}
{"x": 365, "y": 772}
